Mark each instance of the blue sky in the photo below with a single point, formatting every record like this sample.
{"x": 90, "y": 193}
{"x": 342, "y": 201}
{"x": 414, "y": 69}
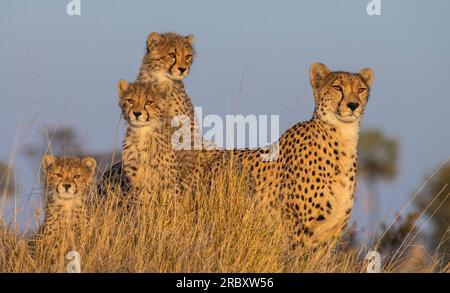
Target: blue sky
{"x": 56, "y": 68}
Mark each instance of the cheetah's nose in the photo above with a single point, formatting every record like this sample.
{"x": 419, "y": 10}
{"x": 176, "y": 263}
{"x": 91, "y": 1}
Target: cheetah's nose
{"x": 137, "y": 114}
{"x": 182, "y": 69}
{"x": 67, "y": 186}
{"x": 353, "y": 106}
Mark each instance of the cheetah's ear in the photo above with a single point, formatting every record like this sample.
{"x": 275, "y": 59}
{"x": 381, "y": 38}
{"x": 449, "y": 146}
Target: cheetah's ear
{"x": 318, "y": 72}
{"x": 90, "y": 164}
{"x": 368, "y": 75}
{"x": 190, "y": 39}
{"x": 153, "y": 40}
{"x": 47, "y": 161}
{"x": 122, "y": 87}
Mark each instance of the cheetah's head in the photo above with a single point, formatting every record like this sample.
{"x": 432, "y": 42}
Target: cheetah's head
{"x": 170, "y": 54}
{"x": 340, "y": 97}
{"x": 143, "y": 104}
{"x": 67, "y": 177}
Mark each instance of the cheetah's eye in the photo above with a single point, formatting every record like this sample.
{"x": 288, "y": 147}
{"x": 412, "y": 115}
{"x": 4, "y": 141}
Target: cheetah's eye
{"x": 188, "y": 57}
{"x": 337, "y": 88}
{"x": 148, "y": 103}
{"x": 130, "y": 101}
{"x": 361, "y": 90}
{"x": 76, "y": 176}
{"x": 58, "y": 175}
{"x": 172, "y": 55}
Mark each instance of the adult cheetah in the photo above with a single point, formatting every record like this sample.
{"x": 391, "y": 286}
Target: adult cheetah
{"x": 312, "y": 181}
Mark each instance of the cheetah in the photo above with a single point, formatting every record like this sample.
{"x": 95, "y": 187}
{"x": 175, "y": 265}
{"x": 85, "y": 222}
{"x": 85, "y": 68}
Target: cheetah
{"x": 148, "y": 159}
{"x": 167, "y": 61}
{"x": 68, "y": 182}
{"x": 312, "y": 181}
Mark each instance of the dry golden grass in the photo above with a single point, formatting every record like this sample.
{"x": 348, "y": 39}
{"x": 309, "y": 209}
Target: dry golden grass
{"x": 221, "y": 230}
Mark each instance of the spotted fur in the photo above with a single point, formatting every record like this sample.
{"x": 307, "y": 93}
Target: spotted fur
{"x": 167, "y": 62}
{"x": 68, "y": 182}
{"x": 149, "y": 161}
{"x": 312, "y": 181}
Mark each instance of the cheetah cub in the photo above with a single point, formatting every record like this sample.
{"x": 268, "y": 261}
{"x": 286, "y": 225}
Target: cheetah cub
{"x": 148, "y": 159}
{"x": 68, "y": 182}
{"x": 168, "y": 60}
